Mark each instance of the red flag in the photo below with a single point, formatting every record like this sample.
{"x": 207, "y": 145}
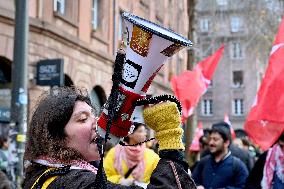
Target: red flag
{"x": 227, "y": 120}
{"x": 195, "y": 146}
{"x": 265, "y": 121}
{"x": 191, "y": 85}
{"x": 181, "y": 87}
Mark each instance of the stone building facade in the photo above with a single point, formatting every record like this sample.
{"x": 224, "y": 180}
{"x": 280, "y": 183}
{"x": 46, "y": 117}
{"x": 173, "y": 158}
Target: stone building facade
{"x": 241, "y": 26}
{"x": 85, "y": 34}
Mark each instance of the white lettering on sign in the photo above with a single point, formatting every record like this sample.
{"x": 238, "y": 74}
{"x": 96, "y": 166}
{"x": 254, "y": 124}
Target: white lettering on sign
{"x": 47, "y": 69}
{"x": 5, "y": 113}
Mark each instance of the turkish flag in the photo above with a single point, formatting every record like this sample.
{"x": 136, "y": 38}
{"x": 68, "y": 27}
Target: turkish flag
{"x": 195, "y": 145}
{"x": 191, "y": 85}
{"x": 227, "y": 120}
{"x": 265, "y": 121}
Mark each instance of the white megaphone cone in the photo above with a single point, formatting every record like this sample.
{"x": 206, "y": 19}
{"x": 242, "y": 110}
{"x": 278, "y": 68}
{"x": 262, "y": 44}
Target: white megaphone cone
{"x": 148, "y": 47}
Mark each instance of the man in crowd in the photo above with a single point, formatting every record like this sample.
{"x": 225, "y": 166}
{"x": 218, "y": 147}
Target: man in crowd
{"x": 220, "y": 169}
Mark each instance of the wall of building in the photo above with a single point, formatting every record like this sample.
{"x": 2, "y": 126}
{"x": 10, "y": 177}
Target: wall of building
{"x": 89, "y": 53}
{"x": 214, "y": 20}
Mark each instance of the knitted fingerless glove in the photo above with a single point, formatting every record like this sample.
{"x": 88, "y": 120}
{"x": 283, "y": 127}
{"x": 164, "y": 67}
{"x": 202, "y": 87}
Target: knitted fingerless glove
{"x": 165, "y": 120}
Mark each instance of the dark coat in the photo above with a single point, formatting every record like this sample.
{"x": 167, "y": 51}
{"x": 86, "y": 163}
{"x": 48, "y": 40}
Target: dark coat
{"x": 256, "y": 174}
{"x": 242, "y": 155}
{"x": 228, "y": 173}
{"x": 162, "y": 178}
{"x": 239, "y": 153}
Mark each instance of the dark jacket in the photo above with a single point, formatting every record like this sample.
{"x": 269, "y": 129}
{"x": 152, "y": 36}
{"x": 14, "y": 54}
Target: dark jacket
{"x": 239, "y": 153}
{"x": 256, "y": 174}
{"x": 229, "y": 173}
{"x": 242, "y": 155}
{"x": 162, "y": 178}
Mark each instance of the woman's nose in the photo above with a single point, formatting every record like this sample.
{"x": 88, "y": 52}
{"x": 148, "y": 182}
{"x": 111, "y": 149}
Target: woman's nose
{"x": 95, "y": 123}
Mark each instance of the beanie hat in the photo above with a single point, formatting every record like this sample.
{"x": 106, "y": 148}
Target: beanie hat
{"x": 223, "y": 129}
{"x": 165, "y": 120}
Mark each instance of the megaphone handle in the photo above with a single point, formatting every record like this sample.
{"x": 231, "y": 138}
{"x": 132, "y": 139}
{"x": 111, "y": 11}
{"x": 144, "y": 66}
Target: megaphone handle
{"x": 116, "y": 77}
{"x": 100, "y": 181}
{"x": 158, "y": 99}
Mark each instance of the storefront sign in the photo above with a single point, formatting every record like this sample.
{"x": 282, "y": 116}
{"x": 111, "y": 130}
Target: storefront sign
{"x": 5, "y": 114}
{"x": 50, "y": 72}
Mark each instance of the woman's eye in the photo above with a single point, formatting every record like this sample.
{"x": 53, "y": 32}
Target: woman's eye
{"x": 84, "y": 119}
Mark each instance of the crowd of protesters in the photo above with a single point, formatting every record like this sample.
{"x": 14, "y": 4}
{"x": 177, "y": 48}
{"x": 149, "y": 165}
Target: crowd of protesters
{"x": 221, "y": 162}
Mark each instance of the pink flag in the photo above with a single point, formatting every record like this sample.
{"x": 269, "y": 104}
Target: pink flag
{"x": 191, "y": 85}
{"x": 265, "y": 121}
{"x": 227, "y": 120}
{"x": 195, "y": 146}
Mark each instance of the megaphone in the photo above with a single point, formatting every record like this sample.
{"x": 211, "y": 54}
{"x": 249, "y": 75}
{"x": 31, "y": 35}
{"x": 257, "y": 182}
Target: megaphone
{"x": 148, "y": 46}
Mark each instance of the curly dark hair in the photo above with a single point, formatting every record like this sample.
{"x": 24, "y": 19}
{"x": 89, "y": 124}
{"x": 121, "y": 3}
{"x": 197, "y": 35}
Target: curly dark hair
{"x": 46, "y": 134}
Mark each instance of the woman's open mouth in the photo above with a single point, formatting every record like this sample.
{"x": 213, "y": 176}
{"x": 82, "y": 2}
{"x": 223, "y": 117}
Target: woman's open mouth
{"x": 94, "y": 140}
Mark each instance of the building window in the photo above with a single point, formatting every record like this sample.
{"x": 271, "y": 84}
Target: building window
{"x": 235, "y": 24}
{"x": 95, "y": 14}
{"x": 204, "y": 25}
{"x": 236, "y": 50}
{"x": 59, "y": 6}
{"x": 237, "y": 78}
{"x": 207, "y": 107}
{"x": 238, "y": 107}
{"x": 222, "y": 2}
{"x": 67, "y": 11}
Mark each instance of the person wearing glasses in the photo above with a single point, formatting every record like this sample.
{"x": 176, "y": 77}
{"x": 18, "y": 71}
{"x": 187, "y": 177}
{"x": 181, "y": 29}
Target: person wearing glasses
{"x": 132, "y": 164}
